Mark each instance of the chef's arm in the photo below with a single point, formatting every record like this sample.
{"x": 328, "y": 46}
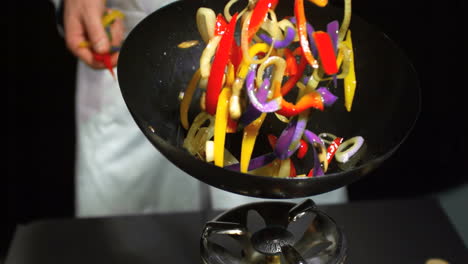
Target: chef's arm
{"x": 79, "y": 21}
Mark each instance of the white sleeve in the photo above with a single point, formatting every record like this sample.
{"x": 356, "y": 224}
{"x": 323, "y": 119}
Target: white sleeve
{"x": 56, "y": 3}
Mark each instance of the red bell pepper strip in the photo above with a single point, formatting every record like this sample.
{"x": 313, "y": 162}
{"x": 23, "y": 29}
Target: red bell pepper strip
{"x": 258, "y": 15}
{"x": 236, "y": 55}
{"x": 215, "y": 80}
{"x": 333, "y": 147}
{"x": 303, "y": 148}
{"x": 220, "y": 25}
{"x": 326, "y": 52}
{"x": 291, "y": 82}
{"x": 311, "y": 173}
{"x": 312, "y": 99}
{"x": 291, "y": 64}
{"x": 106, "y": 59}
{"x": 299, "y": 13}
{"x": 272, "y": 140}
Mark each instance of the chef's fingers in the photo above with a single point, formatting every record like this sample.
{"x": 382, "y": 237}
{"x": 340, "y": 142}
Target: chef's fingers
{"x": 117, "y": 30}
{"x": 115, "y": 58}
{"x": 76, "y": 36}
{"x": 92, "y": 19}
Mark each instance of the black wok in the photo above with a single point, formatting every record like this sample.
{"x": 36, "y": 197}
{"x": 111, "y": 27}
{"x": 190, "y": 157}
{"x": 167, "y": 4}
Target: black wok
{"x": 152, "y": 71}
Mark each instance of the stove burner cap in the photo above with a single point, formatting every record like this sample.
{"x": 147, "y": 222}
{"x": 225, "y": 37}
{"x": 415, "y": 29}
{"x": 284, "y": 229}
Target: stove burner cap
{"x": 271, "y": 239}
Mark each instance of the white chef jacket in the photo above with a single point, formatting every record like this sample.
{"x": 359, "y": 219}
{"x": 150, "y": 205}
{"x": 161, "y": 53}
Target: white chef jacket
{"x": 118, "y": 171}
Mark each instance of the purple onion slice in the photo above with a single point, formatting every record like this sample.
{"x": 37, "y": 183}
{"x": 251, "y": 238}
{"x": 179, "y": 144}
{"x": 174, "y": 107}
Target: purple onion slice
{"x": 328, "y": 98}
{"x": 255, "y": 163}
{"x": 280, "y": 44}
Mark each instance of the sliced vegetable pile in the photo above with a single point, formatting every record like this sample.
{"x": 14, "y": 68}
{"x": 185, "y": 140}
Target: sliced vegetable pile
{"x": 242, "y": 82}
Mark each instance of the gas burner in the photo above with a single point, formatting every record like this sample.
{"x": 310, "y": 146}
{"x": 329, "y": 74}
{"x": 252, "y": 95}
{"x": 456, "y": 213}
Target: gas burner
{"x": 273, "y": 232}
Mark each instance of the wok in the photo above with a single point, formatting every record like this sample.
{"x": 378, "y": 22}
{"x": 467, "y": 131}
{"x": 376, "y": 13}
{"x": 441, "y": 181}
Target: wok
{"x": 152, "y": 71}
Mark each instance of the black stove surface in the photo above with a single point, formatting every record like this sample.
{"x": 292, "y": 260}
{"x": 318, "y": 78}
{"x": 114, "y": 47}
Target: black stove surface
{"x": 391, "y": 231}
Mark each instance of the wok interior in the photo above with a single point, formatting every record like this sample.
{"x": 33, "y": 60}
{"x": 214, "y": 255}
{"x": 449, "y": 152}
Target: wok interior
{"x": 153, "y": 71}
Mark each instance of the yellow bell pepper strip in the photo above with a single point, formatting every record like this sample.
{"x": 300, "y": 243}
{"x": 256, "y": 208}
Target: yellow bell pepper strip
{"x": 86, "y": 44}
{"x": 299, "y": 13}
{"x": 111, "y": 16}
{"x": 350, "y": 78}
{"x": 248, "y": 142}
{"x": 326, "y": 52}
{"x": 188, "y": 94}
{"x": 230, "y": 75}
{"x": 107, "y": 19}
{"x": 221, "y": 120}
{"x": 320, "y": 3}
{"x": 215, "y": 80}
{"x": 253, "y": 51}
{"x": 258, "y": 15}
{"x": 232, "y": 124}
{"x": 339, "y": 56}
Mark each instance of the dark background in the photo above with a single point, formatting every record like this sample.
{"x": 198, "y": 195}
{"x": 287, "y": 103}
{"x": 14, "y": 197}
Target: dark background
{"x": 41, "y": 128}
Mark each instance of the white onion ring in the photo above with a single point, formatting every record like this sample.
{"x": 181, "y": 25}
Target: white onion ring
{"x": 227, "y": 13}
{"x": 280, "y": 67}
{"x": 346, "y": 20}
{"x": 209, "y": 151}
{"x": 207, "y": 54}
{"x": 327, "y": 138}
{"x": 206, "y": 19}
{"x": 351, "y": 145}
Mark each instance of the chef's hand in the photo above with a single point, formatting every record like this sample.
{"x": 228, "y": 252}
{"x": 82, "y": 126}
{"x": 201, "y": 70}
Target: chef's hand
{"x": 82, "y": 22}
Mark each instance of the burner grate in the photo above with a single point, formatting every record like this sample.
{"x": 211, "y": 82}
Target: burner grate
{"x": 273, "y": 232}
